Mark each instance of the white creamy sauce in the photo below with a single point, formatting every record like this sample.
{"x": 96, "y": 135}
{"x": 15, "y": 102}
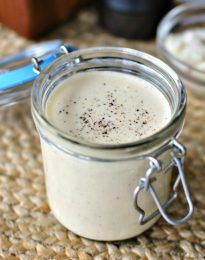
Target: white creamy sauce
{"x": 95, "y": 198}
{"x": 189, "y": 47}
{"x": 108, "y": 107}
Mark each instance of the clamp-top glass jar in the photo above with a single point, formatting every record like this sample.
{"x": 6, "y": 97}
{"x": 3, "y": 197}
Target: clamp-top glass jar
{"x": 100, "y": 191}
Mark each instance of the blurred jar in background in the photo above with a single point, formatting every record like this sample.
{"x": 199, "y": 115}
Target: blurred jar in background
{"x": 135, "y": 19}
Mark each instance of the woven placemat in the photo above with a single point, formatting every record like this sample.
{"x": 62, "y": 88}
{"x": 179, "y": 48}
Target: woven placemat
{"x": 28, "y": 229}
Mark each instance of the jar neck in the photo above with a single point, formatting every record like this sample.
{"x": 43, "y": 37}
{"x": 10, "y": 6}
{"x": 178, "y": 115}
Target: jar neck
{"x": 109, "y": 59}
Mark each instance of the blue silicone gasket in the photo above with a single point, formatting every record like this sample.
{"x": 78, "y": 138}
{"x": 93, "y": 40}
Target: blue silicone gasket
{"x": 20, "y": 76}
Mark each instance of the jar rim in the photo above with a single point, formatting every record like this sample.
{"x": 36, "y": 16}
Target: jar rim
{"x": 164, "y": 29}
{"x": 169, "y": 129}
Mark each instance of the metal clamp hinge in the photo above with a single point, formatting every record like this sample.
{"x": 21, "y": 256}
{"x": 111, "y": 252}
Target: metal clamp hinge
{"x": 178, "y": 155}
{"x": 36, "y": 65}
{"x": 37, "y": 62}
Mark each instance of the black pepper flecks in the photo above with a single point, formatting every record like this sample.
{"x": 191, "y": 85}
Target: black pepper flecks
{"x": 108, "y": 123}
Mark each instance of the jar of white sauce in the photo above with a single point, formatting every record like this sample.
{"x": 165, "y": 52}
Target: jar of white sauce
{"x": 108, "y": 120}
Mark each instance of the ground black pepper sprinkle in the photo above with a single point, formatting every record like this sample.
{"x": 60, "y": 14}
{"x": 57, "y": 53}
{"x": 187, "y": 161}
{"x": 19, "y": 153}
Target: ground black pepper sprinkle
{"x": 104, "y": 126}
{"x": 111, "y": 115}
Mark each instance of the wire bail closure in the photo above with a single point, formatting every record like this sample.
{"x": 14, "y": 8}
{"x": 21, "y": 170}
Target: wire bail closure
{"x": 37, "y": 62}
{"x": 145, "y": 183}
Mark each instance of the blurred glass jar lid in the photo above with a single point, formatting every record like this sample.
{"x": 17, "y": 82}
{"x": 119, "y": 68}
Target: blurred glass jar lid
{"x": 17, "y": 74}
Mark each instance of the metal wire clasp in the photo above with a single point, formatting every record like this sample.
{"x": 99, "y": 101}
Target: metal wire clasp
{"x": 178, "y": 155}
{"x": 37, "y": 62}
{"x": 36, "y": 65}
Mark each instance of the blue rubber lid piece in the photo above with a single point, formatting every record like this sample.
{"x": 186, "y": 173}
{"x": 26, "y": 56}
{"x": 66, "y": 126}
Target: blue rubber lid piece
{"x": 22, "y": 75}
{"x": 16, "y": 71}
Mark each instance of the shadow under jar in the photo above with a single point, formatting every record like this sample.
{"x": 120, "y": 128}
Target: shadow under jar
{"x": 111, "y": 191}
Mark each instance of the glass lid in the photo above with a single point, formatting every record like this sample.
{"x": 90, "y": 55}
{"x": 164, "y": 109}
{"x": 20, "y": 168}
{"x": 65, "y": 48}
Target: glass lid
{"x": 17, "y": 74}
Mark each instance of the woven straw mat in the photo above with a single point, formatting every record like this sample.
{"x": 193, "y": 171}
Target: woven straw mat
{"x": 28, "y": 230}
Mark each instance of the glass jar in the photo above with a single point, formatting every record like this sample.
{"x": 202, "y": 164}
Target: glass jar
{"x": 187, "y": 16}
{"x": 111, "y": 192}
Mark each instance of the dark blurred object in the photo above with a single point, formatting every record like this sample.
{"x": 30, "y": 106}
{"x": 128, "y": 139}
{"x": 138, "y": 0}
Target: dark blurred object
{"x": 182, "y": 1}
{"x": 132, "y": 18}
{"x": 33, "y": 17}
